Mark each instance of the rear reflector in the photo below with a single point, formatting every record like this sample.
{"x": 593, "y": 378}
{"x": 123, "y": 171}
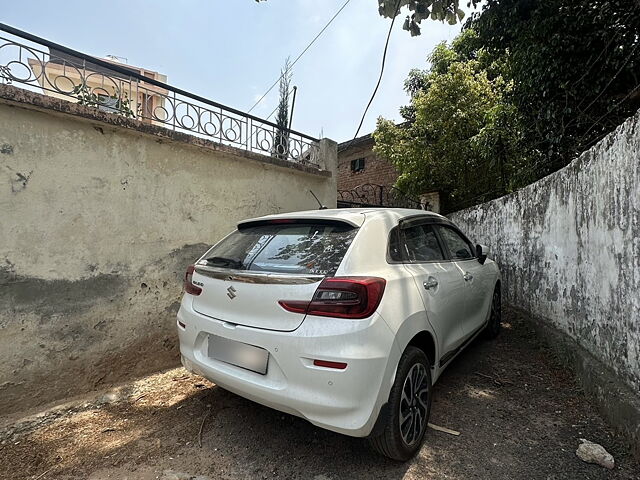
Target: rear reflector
{"x": 327, "y": 364}
{"x": 189, "y": 287}
{"x": 341, "y": 297}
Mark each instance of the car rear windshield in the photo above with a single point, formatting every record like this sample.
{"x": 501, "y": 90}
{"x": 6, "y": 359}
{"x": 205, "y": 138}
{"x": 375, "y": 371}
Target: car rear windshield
{"x": 299, "y": 248}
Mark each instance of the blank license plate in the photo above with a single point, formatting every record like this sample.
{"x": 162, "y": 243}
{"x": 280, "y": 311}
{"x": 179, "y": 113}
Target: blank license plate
{"x": 239, "y": 354}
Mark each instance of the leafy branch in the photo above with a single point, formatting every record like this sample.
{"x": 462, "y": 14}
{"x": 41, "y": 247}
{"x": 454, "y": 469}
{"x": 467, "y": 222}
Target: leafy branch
{"x": 442, "y": 10}
{"x": 89, "y": 98}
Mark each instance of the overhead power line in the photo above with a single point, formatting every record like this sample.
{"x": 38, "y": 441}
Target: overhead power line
{"x": 301, "y": 54}
{"x": 277, "y": 105}
{"x": 612, "y": 108}
{"x": 384, "y": 59}
{"x": 270, "y": 115}
{"x": 633, "y": 52}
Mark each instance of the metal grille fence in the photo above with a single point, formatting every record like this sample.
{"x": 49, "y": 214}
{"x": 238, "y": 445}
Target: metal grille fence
{"x": 370, "y": 195}
{"x": 55, "y": 70}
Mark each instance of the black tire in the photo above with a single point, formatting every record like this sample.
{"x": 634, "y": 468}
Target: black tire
{"x": 495, "y": 317}
{"x": 401, "y": 442}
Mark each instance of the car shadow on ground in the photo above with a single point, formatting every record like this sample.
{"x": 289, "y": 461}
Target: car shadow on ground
{"x": 519, "y": 415}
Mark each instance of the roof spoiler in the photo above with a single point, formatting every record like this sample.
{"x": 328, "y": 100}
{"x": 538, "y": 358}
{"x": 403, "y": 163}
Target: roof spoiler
{"x": 259, "y": 222}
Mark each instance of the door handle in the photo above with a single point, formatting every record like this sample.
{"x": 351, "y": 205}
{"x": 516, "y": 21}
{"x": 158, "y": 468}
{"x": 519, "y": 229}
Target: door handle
{"x": 430, "y": 283}
{"x": 467, "y": 276}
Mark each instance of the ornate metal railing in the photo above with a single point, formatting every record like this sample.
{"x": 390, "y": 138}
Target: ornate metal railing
{"x": 370, "y": 195}
{"x": 55, "y": 70}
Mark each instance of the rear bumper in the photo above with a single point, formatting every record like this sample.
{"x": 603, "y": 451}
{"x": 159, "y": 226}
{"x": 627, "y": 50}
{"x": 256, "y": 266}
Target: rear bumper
{"x": 345, "y": 401}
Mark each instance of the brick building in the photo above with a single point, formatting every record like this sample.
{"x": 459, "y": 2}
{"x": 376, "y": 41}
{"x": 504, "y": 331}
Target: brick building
{"x": 360, "y": 170}
{"x": 359, "y": 165}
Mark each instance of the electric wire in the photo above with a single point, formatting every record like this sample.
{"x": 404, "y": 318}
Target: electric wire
{"x": 384, "y": 59}
{"x": 300, "y": 56}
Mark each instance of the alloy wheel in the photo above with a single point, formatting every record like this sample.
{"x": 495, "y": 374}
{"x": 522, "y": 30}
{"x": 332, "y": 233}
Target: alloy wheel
{"x": 414, "y": 404}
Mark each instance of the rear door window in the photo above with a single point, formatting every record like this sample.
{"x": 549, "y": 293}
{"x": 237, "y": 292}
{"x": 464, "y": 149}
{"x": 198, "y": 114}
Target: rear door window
{"x": 416, "y": 244}
{"x": 458, "y": 246}
{"x": 299, "y": 248}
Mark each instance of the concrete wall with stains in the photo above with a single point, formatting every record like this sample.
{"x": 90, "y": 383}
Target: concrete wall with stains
{"x": 569, "y": 248}
{"x": 98, "y": 224}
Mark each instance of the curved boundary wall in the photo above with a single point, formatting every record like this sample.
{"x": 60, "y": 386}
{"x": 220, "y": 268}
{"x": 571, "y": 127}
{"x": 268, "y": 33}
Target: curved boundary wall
{"x": 569, "y": 250}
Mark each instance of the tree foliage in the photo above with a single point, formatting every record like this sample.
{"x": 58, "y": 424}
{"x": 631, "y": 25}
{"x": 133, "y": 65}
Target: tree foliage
{"x": 119, "y": 104}
{"x": 525, "y": 88}
{"x": 443, "y": 10}
{"x": 281, "y": 140}
{"x": 574, "y": 67}
{"x": 461, "y": 136}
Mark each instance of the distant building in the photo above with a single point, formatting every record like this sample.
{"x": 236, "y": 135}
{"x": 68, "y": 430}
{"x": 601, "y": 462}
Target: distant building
{"x": 359, "y": 165}
{"x": 361, "y": 172}
{"x": 64, "y": 74}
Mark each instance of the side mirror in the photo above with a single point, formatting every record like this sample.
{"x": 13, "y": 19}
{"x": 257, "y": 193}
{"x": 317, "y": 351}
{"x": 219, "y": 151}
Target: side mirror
{"x": 482, "y": 251}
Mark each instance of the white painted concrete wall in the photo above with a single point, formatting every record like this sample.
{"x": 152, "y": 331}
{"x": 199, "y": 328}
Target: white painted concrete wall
{"x": 569, "y": 248}
{"x": 98, "y": 224}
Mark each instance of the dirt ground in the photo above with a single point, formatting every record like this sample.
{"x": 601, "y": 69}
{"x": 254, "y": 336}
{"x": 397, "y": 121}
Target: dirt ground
{"x": 519, "y": 413}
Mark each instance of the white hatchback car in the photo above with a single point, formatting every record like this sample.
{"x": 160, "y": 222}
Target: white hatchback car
{"x": 344, "y": 317}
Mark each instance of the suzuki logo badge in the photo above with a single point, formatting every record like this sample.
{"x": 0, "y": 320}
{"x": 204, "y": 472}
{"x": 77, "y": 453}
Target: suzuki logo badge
{"x": 231, "y": 292}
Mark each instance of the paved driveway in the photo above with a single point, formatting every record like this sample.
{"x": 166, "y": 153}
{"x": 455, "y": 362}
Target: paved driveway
{"x": 520, "y": 416}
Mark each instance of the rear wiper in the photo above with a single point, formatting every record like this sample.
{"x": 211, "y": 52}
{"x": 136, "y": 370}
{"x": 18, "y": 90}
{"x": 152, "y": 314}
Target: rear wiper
{"x": 226, "y": 262}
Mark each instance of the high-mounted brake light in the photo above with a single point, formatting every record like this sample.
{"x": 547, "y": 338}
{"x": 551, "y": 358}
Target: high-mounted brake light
{"x": 189, "y": 287}
{"x": 341, "y": 297}
{"x": 278, "y": 221}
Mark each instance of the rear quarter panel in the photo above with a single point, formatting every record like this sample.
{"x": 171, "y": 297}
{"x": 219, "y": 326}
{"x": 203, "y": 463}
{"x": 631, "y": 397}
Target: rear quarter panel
{"x": 401, "y": 306}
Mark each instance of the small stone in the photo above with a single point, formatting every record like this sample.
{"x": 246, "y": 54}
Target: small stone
{"x": 110, "y": 397}
{"x": 590, "y": 452}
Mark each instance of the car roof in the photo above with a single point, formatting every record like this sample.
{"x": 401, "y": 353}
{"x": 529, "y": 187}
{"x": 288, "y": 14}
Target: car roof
{"x": 353, "y": 216}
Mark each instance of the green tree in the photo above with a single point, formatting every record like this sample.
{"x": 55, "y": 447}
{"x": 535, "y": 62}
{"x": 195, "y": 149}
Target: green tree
{"x": 573, "y": 65}
{"x": 281, "y": 140}
{"x": 462, "y": 137}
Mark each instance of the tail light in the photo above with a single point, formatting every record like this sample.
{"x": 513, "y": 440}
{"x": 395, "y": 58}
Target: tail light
{"x": 189, "y": 287}
{"x": 341, "y": 297}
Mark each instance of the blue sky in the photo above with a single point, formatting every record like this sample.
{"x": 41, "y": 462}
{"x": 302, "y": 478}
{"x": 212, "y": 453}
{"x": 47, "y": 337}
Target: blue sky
{"x": 231, "y": 51}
